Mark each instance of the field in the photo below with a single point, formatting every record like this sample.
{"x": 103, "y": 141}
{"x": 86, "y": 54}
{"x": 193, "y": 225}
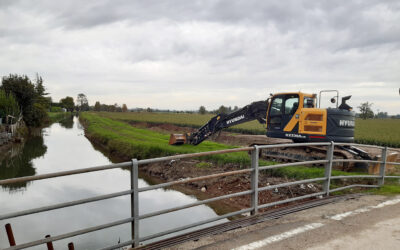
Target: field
{"x": 384, "y": 132}
{"x": 181, "y": 119}
{"x": 132, "y": 142}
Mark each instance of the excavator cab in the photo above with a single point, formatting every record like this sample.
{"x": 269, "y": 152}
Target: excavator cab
{"x": 295, "y": 116}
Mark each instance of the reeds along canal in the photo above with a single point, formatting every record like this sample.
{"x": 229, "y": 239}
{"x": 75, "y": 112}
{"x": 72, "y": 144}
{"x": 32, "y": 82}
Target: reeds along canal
{"x": 63, "y": 146}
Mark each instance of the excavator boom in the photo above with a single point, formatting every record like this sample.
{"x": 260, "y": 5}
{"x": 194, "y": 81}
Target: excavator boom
{"x": 253, "y": 111}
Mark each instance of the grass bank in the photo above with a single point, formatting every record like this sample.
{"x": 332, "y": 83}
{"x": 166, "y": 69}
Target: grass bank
{"x": 131, "y": 142}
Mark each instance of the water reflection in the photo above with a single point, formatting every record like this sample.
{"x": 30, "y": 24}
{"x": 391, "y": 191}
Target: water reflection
{"x": 67, "y": 122}
{"x": 63, "y": 147}
{"x": 18, "y": 162}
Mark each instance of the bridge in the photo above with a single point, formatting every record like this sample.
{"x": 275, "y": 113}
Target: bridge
{"x": 252, "y": 213}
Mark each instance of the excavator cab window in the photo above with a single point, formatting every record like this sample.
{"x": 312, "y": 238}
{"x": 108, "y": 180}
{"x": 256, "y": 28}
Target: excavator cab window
{"x": 291, "y": 105}
{"x": 275, "y": 113}
{"x": 309, "y": 102}
{"x": 282, "y": 110}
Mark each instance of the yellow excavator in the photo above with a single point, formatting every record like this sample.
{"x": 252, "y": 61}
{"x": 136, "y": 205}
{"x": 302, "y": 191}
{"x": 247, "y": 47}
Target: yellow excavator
{"x": 293, "y": 115}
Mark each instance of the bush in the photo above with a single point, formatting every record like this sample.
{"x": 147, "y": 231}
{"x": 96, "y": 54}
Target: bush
{"x": 35, "y": 116}
{"x": 56, "y": 109}
{"x": 8, "y": 105}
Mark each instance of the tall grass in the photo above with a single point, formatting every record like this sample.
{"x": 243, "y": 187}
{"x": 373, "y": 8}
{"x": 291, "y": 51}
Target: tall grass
{"x": 384, "y": 132}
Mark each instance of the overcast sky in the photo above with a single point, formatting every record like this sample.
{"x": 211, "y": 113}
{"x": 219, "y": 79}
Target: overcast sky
{"x": 183, "y": 54}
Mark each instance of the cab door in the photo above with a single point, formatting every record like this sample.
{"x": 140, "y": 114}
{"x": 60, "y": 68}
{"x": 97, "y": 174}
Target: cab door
{"x": 275, "y": 114}
{"x": 281, "y": 111}
{"x": 291, "y": 105}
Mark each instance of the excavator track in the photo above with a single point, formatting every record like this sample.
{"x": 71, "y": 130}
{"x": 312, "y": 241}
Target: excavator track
{"x": 307, "y": 153}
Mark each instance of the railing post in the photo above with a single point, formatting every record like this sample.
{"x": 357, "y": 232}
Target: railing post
{"x": 382, "y": 168}
{"x": 10, "y": 234}
{"x": 328, "y": 168}
{"x": 254, "y": 179}
{"x": 135, "y": 202}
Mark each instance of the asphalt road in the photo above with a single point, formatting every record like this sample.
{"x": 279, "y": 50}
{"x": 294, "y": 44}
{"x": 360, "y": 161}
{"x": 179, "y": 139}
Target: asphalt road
{"x": 367, "y": 222}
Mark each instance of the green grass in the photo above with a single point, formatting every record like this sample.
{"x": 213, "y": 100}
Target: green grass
{"x": 384, "y": 132}
{"x": 204, "y": 164}
{"x": 302, "y": 172}
{"x": 133, "y": 142}
{"x": 142, "y": 143}
{"x": 391, "y": 189}
{"x": 181, "y": 119}
{"x": 57, "y": 116}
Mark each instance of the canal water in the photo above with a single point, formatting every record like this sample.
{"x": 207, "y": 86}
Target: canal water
{"x": 63, "y": 146}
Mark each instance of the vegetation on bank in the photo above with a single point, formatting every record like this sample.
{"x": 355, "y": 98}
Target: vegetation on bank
{"x": 131, "y": 142}
{"x": 384, "y": 132}
{"x": 30, "y": 96}
{"x": 139, "y": 143}
{"x": 8, "y": 106}
{"x": 57, "y": 116}
{"x": 181, "y": 119}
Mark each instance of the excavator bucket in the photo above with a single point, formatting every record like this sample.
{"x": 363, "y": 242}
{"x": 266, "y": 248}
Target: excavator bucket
{"x": 177, "y": 139}
{"x": 391, "y": 157}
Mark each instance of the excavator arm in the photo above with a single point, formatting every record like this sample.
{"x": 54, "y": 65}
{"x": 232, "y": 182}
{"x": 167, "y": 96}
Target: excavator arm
{"x": 254, "y": 111}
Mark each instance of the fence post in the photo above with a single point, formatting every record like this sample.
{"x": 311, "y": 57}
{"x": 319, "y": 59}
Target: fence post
{"x": 382, "y": 168}
{"x": 10, "y": 235}
{"x": 328, "y": 168}
{"x": 254, "y": 179}
{"x": 135, "y": 202}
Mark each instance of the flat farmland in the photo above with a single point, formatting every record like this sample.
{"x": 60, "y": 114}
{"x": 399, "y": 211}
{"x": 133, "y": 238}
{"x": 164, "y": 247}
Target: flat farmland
{"x": 384, "y": 132}
{"x": 180, "y": 119}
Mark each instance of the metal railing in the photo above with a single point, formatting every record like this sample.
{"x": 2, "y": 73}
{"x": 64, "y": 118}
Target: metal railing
{"x": 254, "y": 191}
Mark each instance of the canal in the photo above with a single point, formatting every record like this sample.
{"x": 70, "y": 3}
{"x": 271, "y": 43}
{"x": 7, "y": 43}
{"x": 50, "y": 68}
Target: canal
{"x": 63, "y": 146}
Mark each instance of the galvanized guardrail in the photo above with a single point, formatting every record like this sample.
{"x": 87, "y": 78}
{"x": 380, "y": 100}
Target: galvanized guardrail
{"x": 254, "y": 191}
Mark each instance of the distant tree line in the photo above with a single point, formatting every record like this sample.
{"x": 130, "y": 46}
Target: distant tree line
{"x": 110, "y": 108}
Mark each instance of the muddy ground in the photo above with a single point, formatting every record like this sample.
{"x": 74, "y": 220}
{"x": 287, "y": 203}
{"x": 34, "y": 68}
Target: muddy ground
{"x": 181, "y": 169}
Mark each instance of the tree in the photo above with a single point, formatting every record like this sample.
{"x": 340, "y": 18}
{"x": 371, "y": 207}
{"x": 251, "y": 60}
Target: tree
{"x": 124, "y": 108}
{"x": 41, "y": 94}
{"x": 68, "y": 103}
{"x": 21, "y": 87}
{"x": 222, "y": 110}
{"x": 97, "y": 106}
{"x": 82, "y": 102}
{"x": 382, "y": 115}
{"x": 202, "y": 110}
{"x": 8, "y": 105}
{"x": 366, "y": 111}
{"x": 30, "y": 98}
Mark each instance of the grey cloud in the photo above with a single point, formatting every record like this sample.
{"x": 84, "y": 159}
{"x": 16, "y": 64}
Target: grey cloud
{"x": 105, "y": 47}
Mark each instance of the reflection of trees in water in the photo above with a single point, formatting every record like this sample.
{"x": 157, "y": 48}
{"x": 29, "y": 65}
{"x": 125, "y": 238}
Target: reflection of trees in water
{"x": 67, "y": 122}
{"x": 20, "y": 163}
